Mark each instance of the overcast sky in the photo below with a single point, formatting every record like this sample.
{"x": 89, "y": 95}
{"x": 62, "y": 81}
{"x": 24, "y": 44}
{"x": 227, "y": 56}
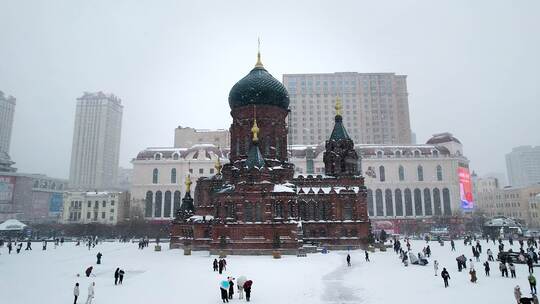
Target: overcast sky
{"x": 472, "y": 66}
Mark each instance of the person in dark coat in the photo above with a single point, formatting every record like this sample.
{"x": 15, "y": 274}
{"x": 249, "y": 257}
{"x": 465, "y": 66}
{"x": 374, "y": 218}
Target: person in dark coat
{"x": 453, "y": 245}
{"x": 486, "y": 268}
{"x": 89, "y": 271}
{"x": 121, "y": 276}
{"x": 116, "y": 275}
{"x": 445, "y": 276}
{"x": 367, "y": 256}
{"x": 10, "y": 247}
{"x": 530, "y": 264}
{"x": 247, "y": 289}
{"x": 215, "y": 265}
{"x": 231, "y": 288}
{"x": 224, "y": 296}
{"x": 99, "y": 255}
{"x": 28, "y": 245}
{"x": 19, "y": 247}
{"x": 348, "y": 260}
{"x": 220, "y": 266}
{"x": 76, "y": 293}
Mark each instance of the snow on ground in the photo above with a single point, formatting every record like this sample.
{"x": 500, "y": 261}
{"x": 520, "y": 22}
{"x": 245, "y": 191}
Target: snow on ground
{"x": 48, "y": 277}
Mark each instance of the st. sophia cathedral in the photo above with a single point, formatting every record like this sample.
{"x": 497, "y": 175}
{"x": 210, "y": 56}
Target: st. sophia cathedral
{"x": 254, "y": 204}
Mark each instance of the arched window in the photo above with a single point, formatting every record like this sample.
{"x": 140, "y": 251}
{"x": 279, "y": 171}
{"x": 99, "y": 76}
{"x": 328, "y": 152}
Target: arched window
{"x": 435, "y": 153}
{"x": 418, "y": 202}
{"x": 278, "y": 210}
{"x": 398, "y": 154}
{"x": 176, "y": 201}
{"x": 157, "y": 156}
{"x": 292, "y": 209}
{"x": 399, "y": 202}
{"x": 258, "y": 213}
{"x": 420, "y": 173}
{"x": 439, "y": 173}
{"x": 311, "y": 211}
{"x": 155, "y": 176}
{"x": 157, "y": 206}
{"x": 401, "y": 173}
{"x": 302, "y": 212}
{"x": 427, "y": 202}
{"x": 408, "y": 202}
{"x": 388, "y": 202}
{"x": 370, "y": 202}
{"x": 416, "y": 153}
{"x": 167, "y": 205}
{"x": 148, "y": 204}
{"x": 437, "y": 201}
{"x": 324, "y": 209}
{"x": 379, "y": 202}
{"x": 347, "y": 211}
{"x": 380, "y": 154}
{"x": 446, "y": 201}
{"x": 381, "y": 174}
{"x": 229, "y": 210}
{"x": 173, "y": 176}
{"x": 175, "y": 156}
{"x": 248, "y": 212}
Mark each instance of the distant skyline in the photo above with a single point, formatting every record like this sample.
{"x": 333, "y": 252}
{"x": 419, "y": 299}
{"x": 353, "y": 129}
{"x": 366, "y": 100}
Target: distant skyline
{"x": 472, "y": 66}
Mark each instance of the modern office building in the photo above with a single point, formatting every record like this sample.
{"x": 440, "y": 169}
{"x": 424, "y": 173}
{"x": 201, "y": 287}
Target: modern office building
{"x": 375, "y": 107}
{"x": 96, "y": 142}
{"x": 7, "y": 112}
{"x": 523, "y": 166}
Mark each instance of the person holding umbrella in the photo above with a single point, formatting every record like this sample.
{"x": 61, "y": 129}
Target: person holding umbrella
{"x": 240, "y": 283}
{"x": 224, "y": 286}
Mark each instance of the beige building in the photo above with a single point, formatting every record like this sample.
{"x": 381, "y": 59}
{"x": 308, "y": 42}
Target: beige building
{"x": 81, "y": 207}
{"x": 375, "y": 107}
{"x": 403, "y": 181}
{"x": 514, "y": 202}
{"x": 159, "y": 175}
{"x": 186, "y": 137}
{"x": 96, "y": 142}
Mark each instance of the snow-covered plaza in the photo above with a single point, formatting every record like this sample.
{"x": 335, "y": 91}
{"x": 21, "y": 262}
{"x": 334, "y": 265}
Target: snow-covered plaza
{"x": 48, "y": 277}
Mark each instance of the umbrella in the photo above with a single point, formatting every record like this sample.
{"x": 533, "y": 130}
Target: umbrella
{"x": 241, "y": 280}
{"x": 224, "y": 284}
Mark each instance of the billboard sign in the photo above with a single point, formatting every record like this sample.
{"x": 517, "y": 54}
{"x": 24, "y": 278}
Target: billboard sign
{"x": 55, "y": 203}
{"x": 7, "y": 184}
{"x": 465, "y": 189}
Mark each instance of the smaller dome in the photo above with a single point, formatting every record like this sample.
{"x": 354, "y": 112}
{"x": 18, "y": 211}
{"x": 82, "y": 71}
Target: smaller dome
{"x": 442, "y": 138}
{"x": 258, "y": 88}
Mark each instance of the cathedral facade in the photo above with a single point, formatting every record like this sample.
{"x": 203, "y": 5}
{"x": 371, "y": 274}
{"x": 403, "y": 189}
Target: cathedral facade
{"x": 254, "y": 204}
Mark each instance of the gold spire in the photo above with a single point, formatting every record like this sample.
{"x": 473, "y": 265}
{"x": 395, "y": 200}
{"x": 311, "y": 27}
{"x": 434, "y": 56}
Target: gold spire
{"x": 188, "y": 183}
{"x": 255, "y": 130}
{"x": 259, "y": 63}
{"x": 338, "y": 106}
{"x": 218, "y": 166}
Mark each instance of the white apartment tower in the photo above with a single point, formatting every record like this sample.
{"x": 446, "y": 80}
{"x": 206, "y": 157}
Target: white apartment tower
{"x": 7, "y": 111}
{"x": 523, "y": 166}
{"x": 375, "y": 107}
{"x": 96, "y": 142}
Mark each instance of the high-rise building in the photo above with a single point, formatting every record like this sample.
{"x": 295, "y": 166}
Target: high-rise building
{"x": 375, "y": 107}
{"x": 523, "y": 166}
{"x": 7, "y": 111}
{"x": 96, "y": 142}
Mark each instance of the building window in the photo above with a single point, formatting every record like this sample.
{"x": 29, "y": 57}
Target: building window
{"x": 380, "y": 154}
{"x": 112, "y": 203}
{"x": 258, "y": 213}
{"x": 439, "y": 173}
{"x": 278, "y": 210}
{"x": 211, "y": 170}
{"x": 176, "y": 201}
{"x": 418, "y": 202}
{"x": 370, "y": 202}
{"x": 379, "y": 202}
{"x": 302, "y": 212}
{"x": 157, "y": 156}
{"x": 88, "y": 215}
{"x": 446, "y": 201}
{"x": 437, "y": 201}
{"x": 104, "y": 204}
{"x": 103, "y": 215}
{"x": 155, "y": 174}
{"x": 427, "y": 202}
{"x": 292, "y": 209}
{"x": 201, "y": 171}
{"x": 157, "y": 206}
{"x": 347, "y": 211}
{"x": 420, "y": 172}
{"x": 148, "y": 204}
{"x": 173, "y": 176}
{"x": 167, "y": 207}
{"x": 401, "y": 173}
{"x": 388, "y": 202}
{"x": 248, "y": 212}
{"x": 381, "y": 174}
{"x": 399, "y": 202}
{"x": 89, "y": 204}
{"x": 175, "y": 156}
{"x": 408, "y": 202}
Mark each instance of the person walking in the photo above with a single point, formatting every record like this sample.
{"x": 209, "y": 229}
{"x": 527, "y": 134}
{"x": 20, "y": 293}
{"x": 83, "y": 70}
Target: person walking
{"x": 512, "y": 270}
{"x": 19, "y": 247}
{"x": 453, "y": 245}
{"x": 530, "y": 264}
{"x": 44, "y": 244}
{"x": 486, "y": 268}
{"x": 215, "y": 264}
{"x": 231, "y": 288}
{"x": 220, "y": 266}
{"x": 90, "y": 293}
{"x": 28, "y": 245}
{"x": 445, "y": 276}
{"x": 490, "y": 255}
{"x": 240, "y": 285}
{"x": 532, "y": 283}
{"x": 517, "y": 294}
{"x": 472, "y": 272}
{"x": 223, "y": 289}
{"x": 367, "y": 256}
{"x": 89, "y": 271}
{"x": 247, "y": 289}
{"x": 436, "y": 267}
{"x": 348, "y": 260}
{"x": 116, "y": 275}
{"x": 76, "y": 293}
{"x": 10, "y": 247}
{"x": 121, "y": 276}
{"x": 99, "y": 255}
